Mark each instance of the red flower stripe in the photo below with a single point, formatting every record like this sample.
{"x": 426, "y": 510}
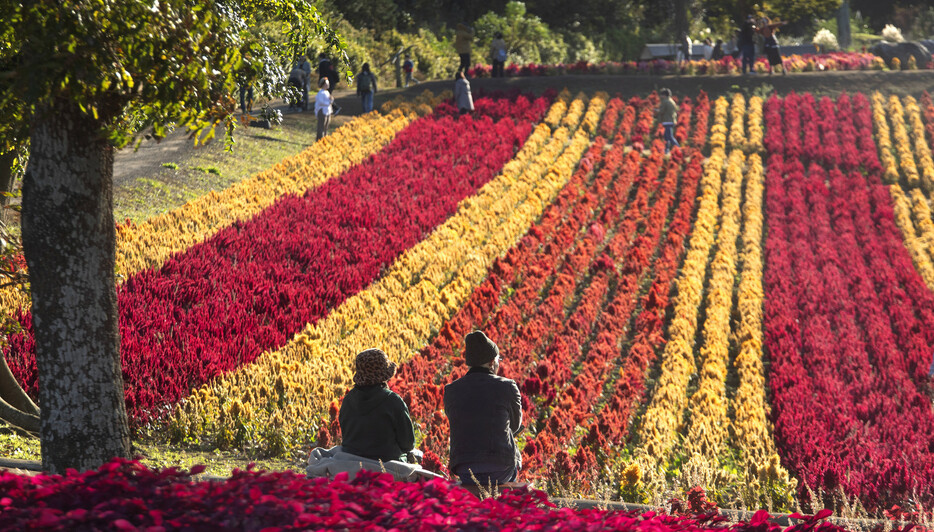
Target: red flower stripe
{"x": 579, "y": 400}
{"x": 125, "y": 495}
{"x": 848, "y": 320}
{"x": 254, "y": 285}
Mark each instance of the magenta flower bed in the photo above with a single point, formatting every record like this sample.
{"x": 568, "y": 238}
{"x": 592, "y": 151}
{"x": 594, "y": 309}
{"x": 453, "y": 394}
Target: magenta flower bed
{"x": 124, "y": 495}
{"x": 848, "y": 321}
{"x": 254, "y": 285}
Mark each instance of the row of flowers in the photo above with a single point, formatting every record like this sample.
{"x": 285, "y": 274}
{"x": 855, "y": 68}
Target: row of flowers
{"x": 831, "y": 61}
{"x": 912, "y": 214}
{"x": 283, "y": 396}
{"x": 252, "y": 286}
{"x": 151, "y": 243}
{"x": 848, "y": 339}
{"x": 556, "y": 305}
{"x": 124, "y": 495}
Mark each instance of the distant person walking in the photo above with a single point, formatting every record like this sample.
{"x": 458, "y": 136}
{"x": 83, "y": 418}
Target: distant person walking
{"x": 463, "y": 43}
{"x": 717, "y": 53}
{"x": 323, "y": 102}
{"x": 685, "y": 50}
{"x": 498, "y": 51}
{"x": 408, "y": 67}
{"x": 770, "y": 44}
{"x": 326, "y": 70}
{"x": 485, "y": 414}
{"x": 667, "y": 114}
{"x": 747, "y": 43}
{"x": 462, "y": 96}
{"x": 366, "y": 87}
{"x": 298, "y": 78}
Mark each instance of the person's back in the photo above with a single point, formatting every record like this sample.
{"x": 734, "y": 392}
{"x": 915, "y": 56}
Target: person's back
{"x": 369, "y": 418}
{"x": 463, "y": 38}
{"x": 484, "y": 411}
{"x": 374, "y": 420}
{"x": 747, "y": 33}
{"x": 462, "y": 95}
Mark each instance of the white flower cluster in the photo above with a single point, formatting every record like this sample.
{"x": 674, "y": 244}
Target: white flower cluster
{"x": 892, "y": 34}
{"x": 825, "y": 39}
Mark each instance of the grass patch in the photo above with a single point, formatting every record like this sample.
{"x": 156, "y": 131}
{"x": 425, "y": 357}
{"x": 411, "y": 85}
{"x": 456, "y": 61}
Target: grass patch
{"x": 206, "y": 168}
{"x": 218, "y": 463}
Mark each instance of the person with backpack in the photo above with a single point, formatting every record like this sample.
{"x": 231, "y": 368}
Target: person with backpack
{"x": 408, "y": 67}
{"x": 366, "y": 87}
{"x": 498, "y": 53}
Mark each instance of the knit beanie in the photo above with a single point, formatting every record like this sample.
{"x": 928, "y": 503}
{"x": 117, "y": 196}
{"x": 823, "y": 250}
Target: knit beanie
{"x": 478, "y": 349}
{"x": 373, "y": 367}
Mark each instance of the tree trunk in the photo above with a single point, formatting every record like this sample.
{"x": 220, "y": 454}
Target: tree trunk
{"x": 68, "y": 240}
{"x": 6, "y": 175}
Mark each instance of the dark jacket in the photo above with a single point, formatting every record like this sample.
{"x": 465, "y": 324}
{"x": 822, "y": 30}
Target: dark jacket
{"x": 485, "y": 412}
{"x": 375, "y": 423}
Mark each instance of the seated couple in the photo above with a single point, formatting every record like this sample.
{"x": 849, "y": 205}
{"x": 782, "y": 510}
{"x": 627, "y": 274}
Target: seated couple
{"x": 484, "y": 411}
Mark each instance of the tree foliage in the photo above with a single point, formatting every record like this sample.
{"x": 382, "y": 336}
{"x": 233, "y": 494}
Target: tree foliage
{"x": 139, "y": 66}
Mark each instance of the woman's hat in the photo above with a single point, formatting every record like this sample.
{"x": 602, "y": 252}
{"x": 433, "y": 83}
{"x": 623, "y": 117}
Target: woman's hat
{"x": 373, "y": 367}
{"x": 479, "y": 349}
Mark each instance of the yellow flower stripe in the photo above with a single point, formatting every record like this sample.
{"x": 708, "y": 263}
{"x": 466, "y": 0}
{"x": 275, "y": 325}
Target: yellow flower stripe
{"x": 921, "y": 148}
{"x": 921, "y": 214}
{"x": 708, "y": 429}
{"x": 737, "y": 114}
{"x": 559, "y": 109}
{"x": 906, "y": 158}
{"x": 421, "y": 105}
{"x": 719, "y": 129}
{"x": 756, "y": 133}
{"x": 660, "y": 422}
{"x": 915, "y": 246}
{"x": 884, "y": 139}
{"x": 752, "y": 431}
{"x": 149, "y": 244}
{"x": 282, "y": 395}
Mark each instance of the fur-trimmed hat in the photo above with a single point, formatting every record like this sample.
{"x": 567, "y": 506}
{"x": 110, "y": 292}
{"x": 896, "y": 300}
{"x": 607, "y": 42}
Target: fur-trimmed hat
{"x": 373, "y": 367}
{"x": 479, "y": 349}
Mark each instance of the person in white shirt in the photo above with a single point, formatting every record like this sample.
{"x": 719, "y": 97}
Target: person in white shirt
{"x": 323, "y": 102}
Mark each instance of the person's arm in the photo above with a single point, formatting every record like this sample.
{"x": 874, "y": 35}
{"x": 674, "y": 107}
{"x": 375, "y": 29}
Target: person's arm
{"x": 405, "y": 430}
{"x": 515, "y": 410}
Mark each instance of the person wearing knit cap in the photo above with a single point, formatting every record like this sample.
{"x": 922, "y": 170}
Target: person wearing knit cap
{"x": 374, "y": 420}
{"x": 484, "y": 411}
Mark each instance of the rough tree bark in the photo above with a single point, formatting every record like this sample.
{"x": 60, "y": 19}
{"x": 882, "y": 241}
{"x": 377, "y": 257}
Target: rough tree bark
{"x": 68, "y": 239}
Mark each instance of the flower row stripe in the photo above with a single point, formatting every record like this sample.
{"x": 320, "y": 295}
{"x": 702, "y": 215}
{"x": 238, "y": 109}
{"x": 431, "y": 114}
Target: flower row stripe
{"x": 752, "y": 431}
{"x": 708, "y": 405}
{"x": 663, "y": 416}
{"x": 252, "y": 286}
{"x": 284, "y": 393}
{"x": 848, "y": 320}
{"x": 151, "y": 243}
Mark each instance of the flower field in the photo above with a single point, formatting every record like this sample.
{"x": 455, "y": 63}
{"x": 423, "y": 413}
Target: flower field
{"x": 830, "y": 61}
{"x": 752, "y": 313}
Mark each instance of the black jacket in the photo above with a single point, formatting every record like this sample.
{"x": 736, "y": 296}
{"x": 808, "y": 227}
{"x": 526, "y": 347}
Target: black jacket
{"x": 375, "y": 423}
{"x": 485, "y": 412}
